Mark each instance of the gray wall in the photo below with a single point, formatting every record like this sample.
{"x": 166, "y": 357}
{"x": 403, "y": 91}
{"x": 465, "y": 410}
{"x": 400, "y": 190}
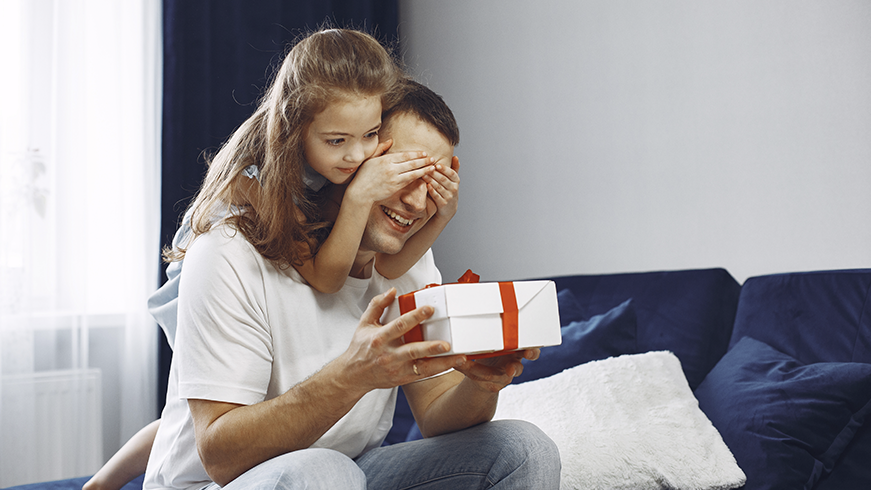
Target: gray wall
{"x": 613, "y": 136}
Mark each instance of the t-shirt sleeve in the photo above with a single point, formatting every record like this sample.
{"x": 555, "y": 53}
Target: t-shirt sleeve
{"x": 223, "y": 344}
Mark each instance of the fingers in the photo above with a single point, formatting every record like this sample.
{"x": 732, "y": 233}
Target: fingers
{"x": 401, "y": 168}
{"x": 416, "y": 350}
{"x": 531, "y": 354}
{"x": 425, "y": 349}
{"x": 403, "y": 324}
{"x": 377, "y": 305}
{"x": 409, "y": 159}
{"x": 455, "y": 164}
{"x": 416, "y": 173}
{"x": 494, "y": 373}
{"x": 434, "y": 365}
{"x": 490, "y": 378}
{"x": 445, "y": 176}
{"x": 445, "y": 182}
{"x": 443, "y": 186}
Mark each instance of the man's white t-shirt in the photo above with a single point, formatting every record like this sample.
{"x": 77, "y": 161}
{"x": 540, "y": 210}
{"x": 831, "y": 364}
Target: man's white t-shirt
{"x": 248, "y": 332}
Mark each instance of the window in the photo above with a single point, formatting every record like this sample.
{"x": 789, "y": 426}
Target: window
{"x": 79, "y": 221}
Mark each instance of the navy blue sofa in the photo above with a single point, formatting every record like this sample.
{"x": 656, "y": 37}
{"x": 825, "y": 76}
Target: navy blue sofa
{"x": 781, "y": 365}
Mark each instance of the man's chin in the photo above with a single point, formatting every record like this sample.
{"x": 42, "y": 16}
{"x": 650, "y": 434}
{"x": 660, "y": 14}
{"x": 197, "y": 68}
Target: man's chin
{"x": 381, "y": 248}
{"x": 386, "y": 241}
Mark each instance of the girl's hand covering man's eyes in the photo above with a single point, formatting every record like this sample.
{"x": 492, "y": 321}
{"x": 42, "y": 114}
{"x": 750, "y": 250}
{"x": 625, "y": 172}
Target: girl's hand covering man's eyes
{"x": 444, "y": 188}
{"x": 383, "y": 175}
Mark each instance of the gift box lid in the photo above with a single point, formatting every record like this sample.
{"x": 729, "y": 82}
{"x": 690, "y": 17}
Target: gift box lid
{"x": 457, "y": 300}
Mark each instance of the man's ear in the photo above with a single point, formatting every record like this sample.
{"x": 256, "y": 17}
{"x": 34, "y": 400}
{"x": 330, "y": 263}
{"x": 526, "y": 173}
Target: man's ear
{"x": 455, "y": 164}
{"x": 382, "y": 148}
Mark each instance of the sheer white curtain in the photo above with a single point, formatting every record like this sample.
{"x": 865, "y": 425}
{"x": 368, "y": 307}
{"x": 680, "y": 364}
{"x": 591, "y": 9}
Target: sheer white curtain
{"x": 79, "y": 226}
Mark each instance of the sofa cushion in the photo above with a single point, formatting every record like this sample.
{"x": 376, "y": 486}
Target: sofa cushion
{"x": 403, "y": 420}
{"x": 852, "y": 470}
{"x": 815, "y": 317}
{"x": 610, "y": 334}
{"x": 786, "y": 422}
{"x": 74, "y": 484}
{"x": 625, "y": 422}
{"x": 602, "y": 336}
{"x": 812, "y": 316}
{"x": 689, "y": 313}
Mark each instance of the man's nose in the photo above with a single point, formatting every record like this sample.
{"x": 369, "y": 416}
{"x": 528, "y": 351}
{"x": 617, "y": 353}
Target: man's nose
{"x": 414, "y": 196}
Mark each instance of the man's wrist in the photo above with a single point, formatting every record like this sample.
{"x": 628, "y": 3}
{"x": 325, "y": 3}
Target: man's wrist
{"x": 341, "y": 376}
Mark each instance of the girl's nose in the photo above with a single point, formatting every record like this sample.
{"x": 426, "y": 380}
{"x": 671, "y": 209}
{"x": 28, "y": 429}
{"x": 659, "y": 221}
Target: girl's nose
{"x": 356, "y": 153}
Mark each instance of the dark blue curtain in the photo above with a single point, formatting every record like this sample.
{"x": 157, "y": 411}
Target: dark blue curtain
{"x": 218, "y": 56}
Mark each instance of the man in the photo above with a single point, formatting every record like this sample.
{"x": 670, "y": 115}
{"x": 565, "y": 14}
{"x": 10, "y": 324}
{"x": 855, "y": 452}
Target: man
{"x": 275, "y": 384}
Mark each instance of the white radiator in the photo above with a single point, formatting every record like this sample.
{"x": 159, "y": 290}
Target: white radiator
{"x": 50, "y": 425}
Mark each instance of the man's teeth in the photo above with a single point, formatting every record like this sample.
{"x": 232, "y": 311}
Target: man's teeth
{"x": 399, "y": 219}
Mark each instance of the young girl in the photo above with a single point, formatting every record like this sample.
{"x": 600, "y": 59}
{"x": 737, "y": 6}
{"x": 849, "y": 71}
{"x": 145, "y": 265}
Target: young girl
{"x": 320, "y": 118}
{"x": 318, "y": 122}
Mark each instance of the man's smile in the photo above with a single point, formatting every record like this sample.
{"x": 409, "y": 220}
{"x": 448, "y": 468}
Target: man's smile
{"x": 399, "y": 220}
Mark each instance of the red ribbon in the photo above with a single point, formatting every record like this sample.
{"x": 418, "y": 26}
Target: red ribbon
{"x": 406, "y": 304}
{"x": 509, "y": 315}
{"x": 469, "y": 277}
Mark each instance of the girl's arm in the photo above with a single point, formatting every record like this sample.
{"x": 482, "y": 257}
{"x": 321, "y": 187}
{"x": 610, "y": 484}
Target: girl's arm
{"x": 328, "y": 270}
{"x": 128, "y": 463}
{"x": 443, "y": 187}
{"x": 377, "y": 179}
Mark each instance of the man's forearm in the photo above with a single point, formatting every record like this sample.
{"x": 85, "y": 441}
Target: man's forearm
{"x": 231, "y": 439}
{"x": 465, "y": 397}
{"x": 462, "y": 405}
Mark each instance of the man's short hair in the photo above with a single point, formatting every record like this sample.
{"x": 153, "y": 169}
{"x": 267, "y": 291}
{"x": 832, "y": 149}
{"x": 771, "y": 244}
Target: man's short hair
{"x": 415, "y": 98}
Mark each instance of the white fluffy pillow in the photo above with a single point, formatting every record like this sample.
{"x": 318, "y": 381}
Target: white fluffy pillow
{"x": 628, "y": 422}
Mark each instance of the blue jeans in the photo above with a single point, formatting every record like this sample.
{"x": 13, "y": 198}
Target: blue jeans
{"x": 501, "y": 455}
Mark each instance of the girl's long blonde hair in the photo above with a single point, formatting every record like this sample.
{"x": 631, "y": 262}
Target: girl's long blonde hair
{"x": 276, "y": 217}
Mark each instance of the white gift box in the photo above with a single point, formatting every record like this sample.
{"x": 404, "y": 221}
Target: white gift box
{"x": 481, "y": 318}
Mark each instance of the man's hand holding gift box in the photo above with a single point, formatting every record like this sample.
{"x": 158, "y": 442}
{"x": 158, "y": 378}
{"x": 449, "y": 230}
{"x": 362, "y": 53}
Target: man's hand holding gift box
{"x": 485, "y": 319}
